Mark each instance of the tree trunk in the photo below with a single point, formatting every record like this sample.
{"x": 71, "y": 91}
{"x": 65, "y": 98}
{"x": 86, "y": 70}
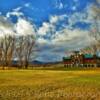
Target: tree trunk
{"x": 26, "y": 64}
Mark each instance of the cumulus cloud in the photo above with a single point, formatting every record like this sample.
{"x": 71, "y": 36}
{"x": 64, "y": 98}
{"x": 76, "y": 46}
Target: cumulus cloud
{"x": 49, "y": 27}
{"x": 46, "y": 28}
{"x": 64, "y": 41}
{"x": 24, "y": 27}
{"x": 6, "y": 27}
{"x": 54, "y": 19}
{"x": 71, "y": 37}
{"x": 17, "y": 9}
{"x": 59, "y": 4}
{"x": 68, "y": 38}
{"x": 27, "y": 5}
{"x": 79, "y": 17}
{"x": 86, "y": 16}
{"x": 66, "y": 35}
{"x": 15, "y": 12}
{"x": 42, "y": 41}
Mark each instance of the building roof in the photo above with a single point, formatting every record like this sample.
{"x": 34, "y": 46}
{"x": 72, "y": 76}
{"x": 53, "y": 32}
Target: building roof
{"x": 88, "y": 55}
{"x": 66, "y": 58}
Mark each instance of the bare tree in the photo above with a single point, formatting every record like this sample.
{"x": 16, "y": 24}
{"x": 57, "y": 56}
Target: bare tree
{"x": 28, "y": 49}
{"x": 19, "y": 50}
{"x": 96, "y": 26}
{"x": 6, "y": 49}
{"x": 11, "y": 51}
{"x": 24, "y": 49}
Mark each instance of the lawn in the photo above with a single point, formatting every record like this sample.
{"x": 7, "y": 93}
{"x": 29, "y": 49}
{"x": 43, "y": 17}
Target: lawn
{"x": 50, "y": 84}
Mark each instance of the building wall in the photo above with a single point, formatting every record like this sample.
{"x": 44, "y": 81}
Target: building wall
{"x": 80, "y": 60}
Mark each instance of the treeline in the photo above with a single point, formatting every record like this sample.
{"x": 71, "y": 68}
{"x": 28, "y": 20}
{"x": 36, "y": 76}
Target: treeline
{"x": 16, "y": 47}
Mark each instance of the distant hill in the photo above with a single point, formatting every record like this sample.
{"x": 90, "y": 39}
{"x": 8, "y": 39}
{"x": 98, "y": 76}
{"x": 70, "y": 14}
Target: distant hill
{"x": 37, "y": 62}
{"x": 40, "y": 62}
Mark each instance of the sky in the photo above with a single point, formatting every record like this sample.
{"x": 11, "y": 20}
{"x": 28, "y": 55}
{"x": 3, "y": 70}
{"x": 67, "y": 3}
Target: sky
{"x": 60, "y": 26}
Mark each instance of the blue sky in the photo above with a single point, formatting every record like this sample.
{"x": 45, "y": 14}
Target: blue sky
{"x": 40, "y": 10}
{"x": 62, "y": 25}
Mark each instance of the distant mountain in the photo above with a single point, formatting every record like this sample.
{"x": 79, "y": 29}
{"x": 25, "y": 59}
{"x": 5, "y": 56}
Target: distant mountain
{"x": 40, "y": 62}
{"x": 36, "y": 62}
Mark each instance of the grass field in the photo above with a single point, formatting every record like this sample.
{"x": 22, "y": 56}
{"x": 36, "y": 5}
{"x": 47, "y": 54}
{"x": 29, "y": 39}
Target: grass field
{"x": 50, "y": 84}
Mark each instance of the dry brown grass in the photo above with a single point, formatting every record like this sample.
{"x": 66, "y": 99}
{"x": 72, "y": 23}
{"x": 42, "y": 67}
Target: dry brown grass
{"x": 49, "y": 85}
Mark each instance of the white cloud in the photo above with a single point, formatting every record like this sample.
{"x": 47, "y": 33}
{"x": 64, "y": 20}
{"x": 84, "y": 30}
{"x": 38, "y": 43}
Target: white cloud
{"x": 64, "y": 40}
{"x": 74, "y": 8}
{"x": 69, "y": 38}
{"x": 6, "y": 27}
{"x": 27, "y": 5}
{"x": 66, "y": 35}
{"x": 85, "y": 16}
{"x": 59, "y": 5}
{"x": 90, "y": 13}
{"x": 15, "y": 13}
{"x": 50, "y": 26}
{"x": 78, "y": 17}
{"x": 24, "y": 27}
{"x": 17, "y": 9}
{"x": 54, "y": 19}
{"x": 46, "y": 28}
{"x": 42, "y": 41}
